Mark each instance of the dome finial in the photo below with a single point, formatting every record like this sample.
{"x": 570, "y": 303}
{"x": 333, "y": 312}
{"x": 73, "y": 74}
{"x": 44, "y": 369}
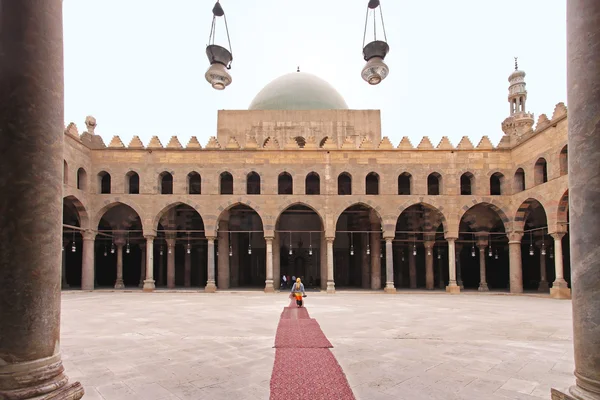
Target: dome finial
{"x": 516, "y": 64}
{"x": 298, "y": 69}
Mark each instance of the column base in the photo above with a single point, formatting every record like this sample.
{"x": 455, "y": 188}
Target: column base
{"x": 330, "y": 287}
{"x": 210, "y": 287}
{"x": 453, "y": 289}
{"x": 575, "y": 393}
{"x": 560, "y": 292}
{"x": 149, "y": 285}
{"x": 141, "y": 284}
{"x": 119, "y": 284}
{"x": 38, "y": 378}
{"x": 483, "y": 287}
{"x": 389, "y": 288}
{"x": 269, "y": 288}
{"x": 544, "y": 286}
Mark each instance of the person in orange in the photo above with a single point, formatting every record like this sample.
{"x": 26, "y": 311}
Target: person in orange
{"x": 298, "y": 292}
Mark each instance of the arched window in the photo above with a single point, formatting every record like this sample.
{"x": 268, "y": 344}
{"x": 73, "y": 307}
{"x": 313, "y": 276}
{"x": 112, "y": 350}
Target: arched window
{"x": 540, "y": 172}
{"x": 323, "y": 141}
{"x": 65, "y": 172}
{"x": 300, "y": 141}
{"x": 104, "y": 182}
{"x": 81, "y": 179}
{"x": 253, "y": 183}
{"x": 404, "y": 183}
{"x": 166, "y": 183}
{"x": 372, "y": 183}
{"x": 496, "y": 183}
{"x": 519, "y": 181}
{"x": 226, "y": 183}
{"x": 313, "y": 183}
{"x": 194, "y": 183}
{"x": 466, "y": 184}
{"x": 344, "y": 184}
{"x": 563, "y": 159}
{"x": 434, "y": 184}
{"x": 285, "y": 184}
{"x": 132, "y": 182}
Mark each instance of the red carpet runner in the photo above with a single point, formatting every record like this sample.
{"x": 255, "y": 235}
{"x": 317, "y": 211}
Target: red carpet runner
{"x": 304, "y": 367}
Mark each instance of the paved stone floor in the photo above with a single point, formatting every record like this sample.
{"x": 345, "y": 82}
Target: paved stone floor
{"x": 408, "y": 346}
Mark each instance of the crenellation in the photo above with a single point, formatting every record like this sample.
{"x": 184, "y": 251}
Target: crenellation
{"x": 193, "y": 144}
{"x": 136, "y": 143}
{"x": 465, "y": 144}
{"x": 385, "y": 144}
{"x": 542, "y": 122}
{"x": 445, "y": 144}
{"x": 116, "y": 143}
{"x": 405, "y": 144}
{"x": 213, "y": 143}
{"x": 232, "y": 144}
{"x": 174, "y": 143}
{"x": 425, "y": 144}
{"x": 485, "y": 144}
{"x": 366, "y": 143}
{"x": 560, "y": 111}
{"x": 155, "y": 143}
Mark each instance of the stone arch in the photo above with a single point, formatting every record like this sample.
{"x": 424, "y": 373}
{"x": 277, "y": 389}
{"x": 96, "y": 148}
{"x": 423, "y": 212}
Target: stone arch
{"x": 233, "y": 204}
{"x": 171, "y": 204}
{"x": 344, "y": 183}
{"x": 285, "y": 183}
{"x": 194, "y": 183}
{"x": 226, "y": 183}
{"x": 562, "y": 209}
{"x": 497, "y": 182}
{"x": 166, "y": 182}
{"x": 519, "y": 182}
{"x": 372, "y": 182}
{"x": 312, "y": 183}
{"x": 104, "y": 185}
{"x": 100, "y": 213}
{"x": 82, "y": 183}
{"x": 405, "y": 183}
{"x": 431, "y": 203}
{"x": 563, "y": 160}
{"x": 506, "y": 221}
{"x": 339, "y": 210}
{"x": 132, "y": 182}
{"x": 435, "y": 185}
{"x": 282, "y": 208}
{"x": 467, "y": 184}
{"x": 526, "y": 207}
{"x": 84, "y": 218}
{"x": 253, "y": 183}
{"x": 540, "y": 171}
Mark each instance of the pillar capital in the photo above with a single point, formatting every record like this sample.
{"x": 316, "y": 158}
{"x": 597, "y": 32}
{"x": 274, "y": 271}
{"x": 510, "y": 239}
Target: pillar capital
{"x": 558, "y": 235}
{"x": 450, "y": 238}
{"x": 170, "y": 242}
{"x": 514, "y": 237}
{"x": 269, "y": 238}
{"x": 88, "y": 235}
{"x": 389, "y": 239}
{"x": 119, "y": 241}
{"x": 211, "y": 238}
{"x": 429, "y": 243}
{"x": 150, "y": 237}
{"x": 330, "y": 239}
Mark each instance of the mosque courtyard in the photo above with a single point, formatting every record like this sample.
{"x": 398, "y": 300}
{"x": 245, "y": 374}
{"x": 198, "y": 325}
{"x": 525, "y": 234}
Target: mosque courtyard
{"x": 131, "y": 345}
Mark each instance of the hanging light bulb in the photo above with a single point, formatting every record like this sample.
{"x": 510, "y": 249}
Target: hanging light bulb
{"x": 189, "y": 248}
{"x": 543, "y": 251}
{"x": 439, "y": 255}
{"x": 112, "y": 248}
{"x": 63, "y": 248}
{"x": 73, "y": 248}
{"x": 429, "y": 251}
{"x": 127, "y": 249}
{"x": 402, "y": 255}
{"x": 310, "y": 249}
{"x": 230, "y": 251}
{"x": 414, "y": 249}
{"x": 368, "y": 249}
{"x": 249, "y": 249}
{"x": 374, "y": 52}
{"x": 381, "y": 254}
{"x": 310, "y": 243}
{"x": 219, "y": 57}
{"x": 531, "y": 251}
{"x": 490, "y": 251}
{"x": 170, "y": 251}
{"x": 290, "y": 252}
{"x": 472, "y": 250}
{"x": 250, "y": 243}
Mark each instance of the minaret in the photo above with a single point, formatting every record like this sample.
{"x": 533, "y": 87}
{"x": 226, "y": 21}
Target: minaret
{"x": 519, "y": 121}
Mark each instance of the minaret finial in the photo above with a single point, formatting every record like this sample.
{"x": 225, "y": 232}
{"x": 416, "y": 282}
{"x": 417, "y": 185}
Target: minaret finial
{"x": 516, "y": 63}
{"x": 298, "y": 69}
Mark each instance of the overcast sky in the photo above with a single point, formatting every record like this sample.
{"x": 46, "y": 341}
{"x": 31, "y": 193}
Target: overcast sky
{"x": 138, "y": 65}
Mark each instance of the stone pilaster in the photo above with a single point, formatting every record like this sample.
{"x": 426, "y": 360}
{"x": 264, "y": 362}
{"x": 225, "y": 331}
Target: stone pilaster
{"x": 515, "y": 262}
{"x": 583, "y": 84}
{"x": 269, "y": 288}
{"x": 560, "y": 288}
{"x": 87, "y": 261}
{"x": 210, "y": 282}
{"x": 149, "y": 264}
{"x": 452, "y": 286}
{"x": 31, "y": 187}
{"x": 330, "y": 276}
{"x": 389, "y": 265}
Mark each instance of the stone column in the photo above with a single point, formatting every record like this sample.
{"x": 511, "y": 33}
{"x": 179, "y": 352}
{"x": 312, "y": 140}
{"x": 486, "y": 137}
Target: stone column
{"x": 482, "y": 243}
{"x": 276, "y": 262}
{"x": 142, "y": 265}
{"x": 398, "y": 265}
{"x": 324, "y": 262}
{"x": 375, "y": 257}
{"x": 187, "y": 269}
{"x": 412, "y": 265}
{"x": 330, "y": 276}
{"x": 459, "y": 280}
{"x": 452, "y": 286}
{"x": 223, "y": 236}
{"x": 149, "y": 275}
{"x": 88, "y": 261}
{"x": 543, "y": 287}
{"x": 269, "y": 282}
{"x": 234, "y": 260}
{"x": 119, "y": 284}
{"x": 515, "y": 262}
{"x": 560, "y": 288}
{"x": 161, "y": 269}
{"x": 31, "y": 139}
{"x": 365, "y": 267}
{"x": 440, "y": 269}
{"x": 389, "y": 266}
{"x": 63, "y": 270}
{"x": 170, "y": 262}
{"x": 210, "y": 282}
{"x": 429, "y": 276}
{"x": 583, "y": 83}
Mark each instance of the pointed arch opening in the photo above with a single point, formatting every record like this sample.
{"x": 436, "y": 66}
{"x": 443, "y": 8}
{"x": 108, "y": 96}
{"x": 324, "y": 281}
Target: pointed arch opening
{"x": 313, "y": 184}
{"x": 519, "y": 180}
{"x": 253, "y": 183}
{"x": 104, "y": 182}
{"x": 81, "y": 179}
{"x": 285, "y": 183}
{"x": 323, "y": 141}
{"x": 194, "y": 183}
{"x": 496, "y": 184}
{"x": 540, "y": 171}
{"x": 74, "y": 216}
{"x": 165, "y": 183}
{"x": 65, "y": 172}
{"x": 434, "y": 184}
{"x": 467, "y": 184}
{"x": 372, "y": 184}
{"x": 132, "y": 183}
{"x": 531, "y": 218}
{"x": 404, "y": 184}
{"x": 563, "y": 159}
{"x": 226, "y": 183}
{"x": 344, "y": 184}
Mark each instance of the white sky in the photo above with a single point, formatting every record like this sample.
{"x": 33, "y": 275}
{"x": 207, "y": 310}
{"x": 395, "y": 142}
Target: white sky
{"x": 138, "y": 65}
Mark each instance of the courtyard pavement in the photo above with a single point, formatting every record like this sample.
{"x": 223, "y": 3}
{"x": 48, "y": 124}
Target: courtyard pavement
{"x": 407, "y": 346}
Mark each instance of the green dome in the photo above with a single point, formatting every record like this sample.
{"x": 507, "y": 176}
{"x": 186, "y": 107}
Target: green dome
{"x": 298, "y": 91}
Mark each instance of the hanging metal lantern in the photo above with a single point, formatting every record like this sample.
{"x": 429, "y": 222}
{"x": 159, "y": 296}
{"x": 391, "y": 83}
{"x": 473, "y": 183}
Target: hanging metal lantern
{"x": 219, "y": 57}
{"x": 375, "y": 51}
{"x": 249, "y": 249}
{"x": 473, "y": 251}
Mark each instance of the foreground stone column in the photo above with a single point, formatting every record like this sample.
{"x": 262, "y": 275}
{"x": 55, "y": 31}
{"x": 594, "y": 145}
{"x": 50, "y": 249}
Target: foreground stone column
{"x": 31, "y": 144}
{"x": 583, "y": 83}
{"x": 429, "y": 265}
{"x": 543, "y": 287}
{"x": 452, "y": 286}
{"x": 87, "y": 261}
{"x": 515, "y": 262}
{"x": 170, "y": 263}
{"x": 560, "y": 288}
{"x": 389, "y": 265}
{"x": 187, "y": 269}
{"x": 223, "y": 277}
{"x": 330, "y": 277}
{"x": 142, "y": 265}
{"x": 119, "y": 284}
{"x": 269, "y": 281}
{"x": 149, "y": 285}
{"x": 375, "y": 258}
{"x": 210, "y": 282}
